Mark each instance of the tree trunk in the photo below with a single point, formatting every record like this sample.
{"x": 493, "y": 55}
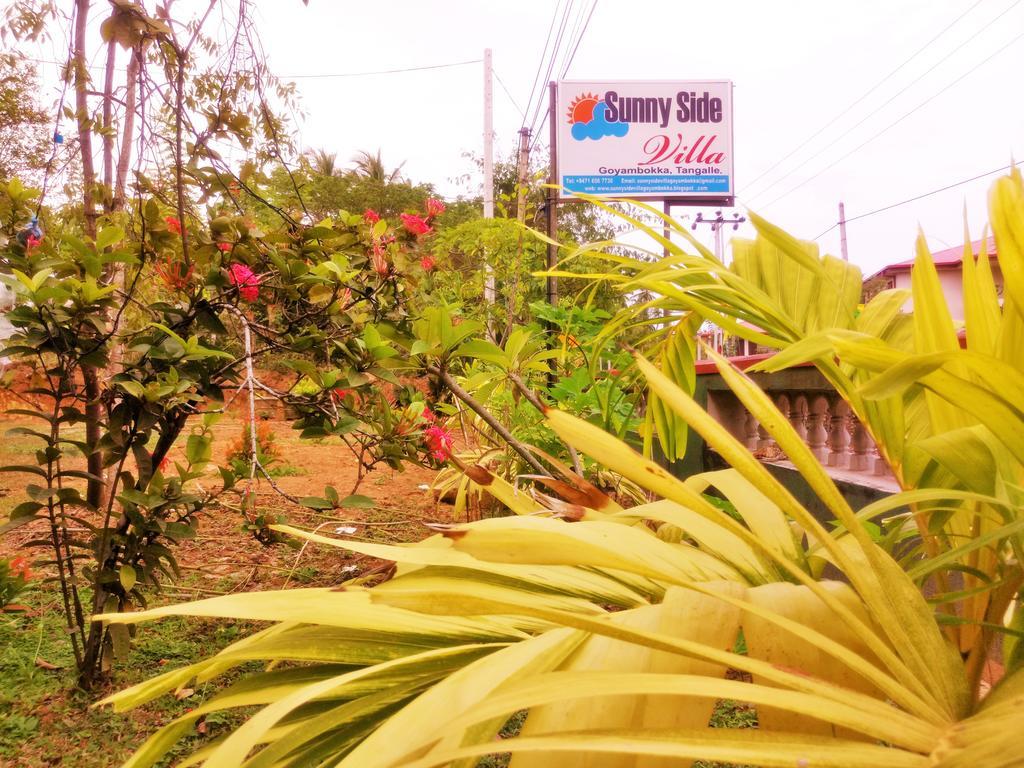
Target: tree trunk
{"x": 84, "y": 120}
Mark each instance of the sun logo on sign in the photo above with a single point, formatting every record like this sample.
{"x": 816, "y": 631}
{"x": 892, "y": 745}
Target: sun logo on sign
{"x": 587, "y": 118}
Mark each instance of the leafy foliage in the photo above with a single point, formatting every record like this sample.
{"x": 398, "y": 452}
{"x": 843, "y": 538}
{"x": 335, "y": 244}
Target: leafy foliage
{"x": 608, "y": 624}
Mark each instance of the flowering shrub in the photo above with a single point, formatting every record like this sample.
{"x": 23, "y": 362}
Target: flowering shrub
{"x": 438, "y": 441}
{"x": 414, "y": 224}
{"x": 14, "y": 577}
{"x": 316, "y": 296}
{"x": 239, "y": 451}
{"x": 247, "y": 281}
{"x": 435, "y": 208}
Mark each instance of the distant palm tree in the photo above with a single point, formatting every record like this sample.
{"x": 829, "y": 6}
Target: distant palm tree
{"x": 323, "y": 162}
{"x": 372, "y": 167}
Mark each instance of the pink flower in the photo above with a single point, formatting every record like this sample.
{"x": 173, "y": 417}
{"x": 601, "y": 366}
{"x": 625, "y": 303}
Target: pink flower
{"x": 224, "y": 247}
{"x": 427, "y": 263}
{"x": 438, "y": 441}
{"x": 414, "y": 224}
{"x": 247, "y": 281}
{"x": 428, "y": 415}
{"x": 32, "y": 241}
{"x": 173, "y": 224}
{"x": 370, "y": 216}
{"x": 435, "y": 207}
{"x": 378, "y": 257}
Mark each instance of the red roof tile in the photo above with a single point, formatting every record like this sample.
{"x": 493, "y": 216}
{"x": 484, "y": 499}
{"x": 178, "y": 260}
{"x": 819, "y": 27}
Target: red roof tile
{"x": 948, "y": 258}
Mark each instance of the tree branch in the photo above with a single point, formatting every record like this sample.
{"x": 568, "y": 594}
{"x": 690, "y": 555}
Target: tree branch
{"x": 488, "y": 418}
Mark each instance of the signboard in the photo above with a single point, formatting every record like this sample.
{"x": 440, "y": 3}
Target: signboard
{"x": 661, "y": 139}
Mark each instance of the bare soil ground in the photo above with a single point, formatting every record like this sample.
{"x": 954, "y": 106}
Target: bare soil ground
{"x": 46, "y": 721}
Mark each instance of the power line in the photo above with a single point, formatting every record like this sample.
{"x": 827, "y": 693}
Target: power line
{"x": 864, "y": 95}
{"x": 540, "y": 61}
{"x": 878, "y": 109}
{"x": 895, "y": 122}
{"x": 919, "y": 197}
{"x": 586, "y": 23}
{"x": 508, "y": 93}
{"x": 551, "y": 63}
{"x": 383, "y": 71}
{"x": 565, "y": 69}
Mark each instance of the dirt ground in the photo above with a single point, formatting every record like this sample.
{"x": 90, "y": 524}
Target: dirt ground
{"x": 46, "y": 721}
{"x": 222, "y": 553}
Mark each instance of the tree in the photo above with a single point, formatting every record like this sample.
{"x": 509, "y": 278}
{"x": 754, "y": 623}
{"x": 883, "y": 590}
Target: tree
{"x": 372, "y": 167}
{"x": 153, "y": 298}
{"x": 323, "y": 163}
{"x": 25, "y": 128}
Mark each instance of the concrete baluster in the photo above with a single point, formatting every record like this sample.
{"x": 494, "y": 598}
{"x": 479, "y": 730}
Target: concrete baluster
{"x": 750, "y": 431}
{"x": 861, "y": 446}
{"x": 838, "y": 436}
{"x": 798, "y": 416}
{"x": 817, "y": 433}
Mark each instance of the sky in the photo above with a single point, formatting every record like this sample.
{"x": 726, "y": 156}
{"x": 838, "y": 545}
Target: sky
{"x": 897, "y": 97}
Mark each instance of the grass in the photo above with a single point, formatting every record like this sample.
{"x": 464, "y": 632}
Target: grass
{"x": 45, "y": 718}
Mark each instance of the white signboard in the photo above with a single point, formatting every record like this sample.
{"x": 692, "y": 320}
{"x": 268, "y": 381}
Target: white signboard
{"x": 645, "y": 139}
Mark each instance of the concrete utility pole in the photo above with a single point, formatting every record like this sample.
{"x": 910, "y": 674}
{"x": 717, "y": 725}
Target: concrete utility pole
{"x": 553, "y": 194}
{"x": 716, "y": 226}
{"x": 522, "y": 174}
{"x": 842, "y": 231}
{"x": 489, "y": 289}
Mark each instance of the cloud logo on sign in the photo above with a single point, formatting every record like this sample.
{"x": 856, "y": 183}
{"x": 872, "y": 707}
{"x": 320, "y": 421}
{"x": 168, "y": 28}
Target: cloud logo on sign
{"x": 587, "y": 117}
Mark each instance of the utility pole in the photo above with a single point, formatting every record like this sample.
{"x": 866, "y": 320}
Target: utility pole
{"x": 522, "y": 172}
{"x": 489, "y": 288}
{"x": 842, "y": 231}
{"x": 716, "y": 226}
{"x": 554, "y": 192}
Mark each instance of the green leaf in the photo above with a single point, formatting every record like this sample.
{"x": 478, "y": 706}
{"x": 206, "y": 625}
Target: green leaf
{"x": 127, "y": 576}
{"x": 356, "y": 501}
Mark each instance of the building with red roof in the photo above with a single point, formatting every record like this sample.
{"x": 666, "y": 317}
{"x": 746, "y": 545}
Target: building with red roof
{"x": 948, "y": 263}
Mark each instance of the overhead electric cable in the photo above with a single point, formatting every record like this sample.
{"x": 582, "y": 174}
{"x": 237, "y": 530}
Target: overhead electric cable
{"x": 508, "y": 93}
{"x": 382, "y": 71}
{"x": 551, "y": 64}
{"x": 922, "y": 196}
{"x": 875, "y": 87}
{"x": 540, "y": 61}
{"x": 895, "y": 122}
{"x": 565, "y": 70}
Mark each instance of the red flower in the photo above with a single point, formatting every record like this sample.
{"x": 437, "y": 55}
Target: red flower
{"x": 19, "y": 567}
{"x": 247, "y": 281}
{"x": 378, "y": 258}
{"x": 32, "y": 241}
{"x": 224, "y": 247}
{"x": 428, "y": 415}
{"x": 438, "y": 441}
{"x": 427, "y": 263}
{"x": 370, "y": 216}
{"x": 614, "y": 372}
{"x": 173, "y": 224}
{"x": 414, "y": 224}
{"x": 435, "y": 207}
{"x": 340, "y": 394}
{"x": 175, "y": 274}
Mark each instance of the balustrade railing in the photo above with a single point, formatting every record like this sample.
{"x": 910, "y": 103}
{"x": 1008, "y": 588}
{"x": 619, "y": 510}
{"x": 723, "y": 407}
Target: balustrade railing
{"x": 835, "y": 436}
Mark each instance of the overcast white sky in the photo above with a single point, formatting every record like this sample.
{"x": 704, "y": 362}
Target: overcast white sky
{"x": 796, "y": 65}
